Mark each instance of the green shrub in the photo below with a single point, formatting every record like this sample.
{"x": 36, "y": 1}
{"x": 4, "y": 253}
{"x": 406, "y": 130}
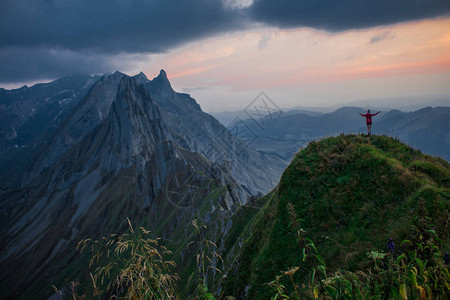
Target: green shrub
{"x": 414, "y": 269}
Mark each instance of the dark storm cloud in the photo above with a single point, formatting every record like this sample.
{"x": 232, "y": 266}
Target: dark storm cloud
{"x": 28, "y": 64}
{"x": 45, "y": 39}
{"x": 338, "y": 15}
{"x": 51, "y": 38}
{"x": 111, "y": 25}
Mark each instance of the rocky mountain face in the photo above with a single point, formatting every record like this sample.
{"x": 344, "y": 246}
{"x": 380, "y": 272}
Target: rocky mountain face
{"x": 199, "y": 132}
{"x": 426, "y": 129}
{"x": 29, "y": 115}
{"x": 132, "y": 148}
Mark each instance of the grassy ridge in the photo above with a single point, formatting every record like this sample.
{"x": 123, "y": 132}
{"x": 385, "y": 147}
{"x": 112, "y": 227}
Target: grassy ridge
{"x": 353, "y": 193}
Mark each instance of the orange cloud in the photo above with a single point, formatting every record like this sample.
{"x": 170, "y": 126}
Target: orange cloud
{"x": 272, "y": 58}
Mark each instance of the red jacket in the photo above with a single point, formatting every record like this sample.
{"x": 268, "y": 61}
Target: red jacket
{"x": 369, "y": 117}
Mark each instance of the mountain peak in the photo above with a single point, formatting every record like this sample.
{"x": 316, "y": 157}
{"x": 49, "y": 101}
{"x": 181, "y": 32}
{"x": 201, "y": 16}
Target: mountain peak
{"x": 140, "y": 75}
{"x": 163, "y": 74}
{"x": 162, "y": 77}
{"x": 118, "y": 73}
{"x": 162, "y": 81}
{"x": 141, "y": 78}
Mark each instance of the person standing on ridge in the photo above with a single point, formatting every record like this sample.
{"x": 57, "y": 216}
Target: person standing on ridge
{"x": 369, "y": 116}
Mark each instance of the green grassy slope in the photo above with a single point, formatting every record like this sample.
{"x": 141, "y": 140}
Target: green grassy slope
{"x": 353, "y": 193}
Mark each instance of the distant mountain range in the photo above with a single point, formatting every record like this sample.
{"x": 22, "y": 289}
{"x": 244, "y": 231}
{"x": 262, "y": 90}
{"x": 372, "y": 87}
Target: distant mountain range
{"x": 405, "y": 104}
{"x": 427, "y": 129}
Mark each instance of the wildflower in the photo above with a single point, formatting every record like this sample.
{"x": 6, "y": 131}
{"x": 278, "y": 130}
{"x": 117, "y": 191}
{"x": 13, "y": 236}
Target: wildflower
{"x": 446, "y": 258}
{"x": 391, "y": 245}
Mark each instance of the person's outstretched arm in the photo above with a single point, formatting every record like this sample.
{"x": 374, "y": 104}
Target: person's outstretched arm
{"x": 361, "y": 114}
{"x": 376, "y": 113}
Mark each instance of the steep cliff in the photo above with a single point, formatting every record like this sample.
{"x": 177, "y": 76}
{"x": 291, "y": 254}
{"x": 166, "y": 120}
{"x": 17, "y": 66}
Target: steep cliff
{"x": 113, "y": 157}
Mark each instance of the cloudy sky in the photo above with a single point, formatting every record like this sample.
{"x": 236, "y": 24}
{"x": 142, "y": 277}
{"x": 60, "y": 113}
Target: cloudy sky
{"x": 224, "y": 53}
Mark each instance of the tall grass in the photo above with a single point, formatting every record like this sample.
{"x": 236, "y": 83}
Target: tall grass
{"x": 207, "y": 258}
{"x": 414, "y": 269}
{"x": 130, "y": 266}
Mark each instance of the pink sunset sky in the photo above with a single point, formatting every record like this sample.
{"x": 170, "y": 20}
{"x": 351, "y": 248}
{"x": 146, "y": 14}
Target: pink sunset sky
{"x": 225, "y": 52}
{"x": 307, "y": 67}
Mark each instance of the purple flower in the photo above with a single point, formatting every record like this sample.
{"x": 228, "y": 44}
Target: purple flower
{"x": 446, "y": 258}
{"x": 391, "y": 245}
